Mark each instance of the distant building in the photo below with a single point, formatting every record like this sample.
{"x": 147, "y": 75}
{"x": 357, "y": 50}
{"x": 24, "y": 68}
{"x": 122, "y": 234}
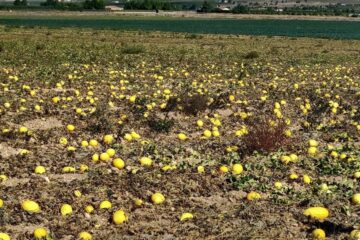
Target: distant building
{"x": 225, "y": 5}
{"x": 354, "y": 15}
{"x": 223, "y": 9}
{"x": 113, "y": 8}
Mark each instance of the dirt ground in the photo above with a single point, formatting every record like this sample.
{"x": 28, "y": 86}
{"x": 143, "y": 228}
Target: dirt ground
{"x": 50, "y": 78}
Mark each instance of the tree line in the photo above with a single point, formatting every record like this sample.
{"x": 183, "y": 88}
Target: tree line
{"x": 206, "y": 6}
{"x": 59, "y": 5}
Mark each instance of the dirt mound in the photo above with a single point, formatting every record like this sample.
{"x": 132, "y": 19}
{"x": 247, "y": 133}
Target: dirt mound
{"x": 7, "y": 151}
{"x": 43, "y": 123}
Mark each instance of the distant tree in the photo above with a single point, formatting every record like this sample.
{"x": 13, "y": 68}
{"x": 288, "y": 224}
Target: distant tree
{"x": 20, "y": 3}
{"x": 99, "y": 4}
{"x": 51, "y": 3}
{"x": 56, "y": 4}
{"x": 17, "y": 3}
{"x": 207, "y": 6}
{"x": 87, "y": 4}
{"x": 149, "y": 5}
{"x": 94, "y": 4}
{"x": 241, "y": 9}
{"x": 166, "y": 6}
{"x": 192, "y": 7}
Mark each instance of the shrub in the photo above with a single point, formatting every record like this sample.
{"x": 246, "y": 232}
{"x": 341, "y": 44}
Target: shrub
{"x": 160, "y": 125}
{"x": 252, "y": 55}
{"x": 133, "y": 49}
{"x": 39, "y": 46}
{"x": 219, "y": 101}
{"x": 194, "y": 104}
{"x": 171, "y": 104}
{"x": 100, "y": 121}
{"x": 193, "y": 36}
{"x": 265, "y": 138}
{"x": 139, "y": 108}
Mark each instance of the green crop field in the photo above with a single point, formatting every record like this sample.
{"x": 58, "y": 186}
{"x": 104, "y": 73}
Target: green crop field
{"x": 291, "y": 28}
